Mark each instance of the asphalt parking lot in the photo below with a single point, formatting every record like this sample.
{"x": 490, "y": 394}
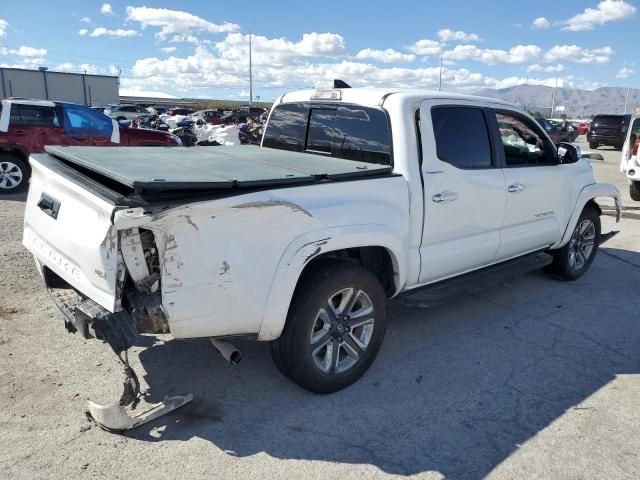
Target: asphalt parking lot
{"x": 531, "y": 379}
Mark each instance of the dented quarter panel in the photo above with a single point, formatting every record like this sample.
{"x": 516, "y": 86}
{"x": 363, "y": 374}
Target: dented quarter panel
{"x": 229, "y": 265}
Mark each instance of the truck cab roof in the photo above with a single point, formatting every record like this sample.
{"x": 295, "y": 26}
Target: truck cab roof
{"x": 375, "y": 97}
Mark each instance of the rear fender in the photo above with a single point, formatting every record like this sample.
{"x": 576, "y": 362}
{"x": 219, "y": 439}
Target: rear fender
{"x": 306, "y": 247}
{"x": 588, "y": 193}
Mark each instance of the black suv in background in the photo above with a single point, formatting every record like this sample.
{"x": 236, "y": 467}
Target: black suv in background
{"x": 608, "y": 130}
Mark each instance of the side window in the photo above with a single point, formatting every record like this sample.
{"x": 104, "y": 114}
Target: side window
{"x": 286, "y": 129}
{"x": 33, "y": 115}
{"x": 523, "y": 143}
{"x": 462, "y": 137}
{"x": 86, "y": 123}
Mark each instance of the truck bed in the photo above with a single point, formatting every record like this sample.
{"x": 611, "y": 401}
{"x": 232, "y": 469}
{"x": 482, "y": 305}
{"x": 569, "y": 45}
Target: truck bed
{"x": 157, "y": 169}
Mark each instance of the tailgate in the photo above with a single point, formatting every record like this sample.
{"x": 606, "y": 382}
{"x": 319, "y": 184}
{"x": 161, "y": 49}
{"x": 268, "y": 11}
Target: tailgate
{"x": 68, "y": 229}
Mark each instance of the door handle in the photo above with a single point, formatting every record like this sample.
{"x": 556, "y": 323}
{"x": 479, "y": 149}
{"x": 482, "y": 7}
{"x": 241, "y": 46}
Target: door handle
{"x": 516, "y": 187}
{"x": 444, "y": 197}
{"x": 19, "y": 133}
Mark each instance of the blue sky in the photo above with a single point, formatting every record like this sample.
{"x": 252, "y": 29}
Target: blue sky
{"x": 200, "y": 48}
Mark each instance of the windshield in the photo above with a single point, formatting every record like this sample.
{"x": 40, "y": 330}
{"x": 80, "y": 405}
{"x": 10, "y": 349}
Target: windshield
{"x": 608, "y": 120}
{"x": 351, "y": 132}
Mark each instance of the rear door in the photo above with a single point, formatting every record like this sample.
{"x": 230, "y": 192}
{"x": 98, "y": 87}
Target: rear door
{"x": 34, "y": 126}
{"x": 464, "y": 189}
{"x": 539, "y": 190}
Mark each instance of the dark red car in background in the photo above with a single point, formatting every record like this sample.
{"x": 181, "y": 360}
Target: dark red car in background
{"x": 26, "y": 126}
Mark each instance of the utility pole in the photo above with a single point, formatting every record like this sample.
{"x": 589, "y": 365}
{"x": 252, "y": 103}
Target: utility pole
{"x": 626, "y": 101}
{"x": 440, "y": 82}
{"x": 553, "y": 98}
{"x": 250, "y": 76}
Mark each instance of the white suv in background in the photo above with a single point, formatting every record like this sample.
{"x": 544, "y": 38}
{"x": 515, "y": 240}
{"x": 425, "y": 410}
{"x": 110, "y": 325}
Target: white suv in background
{"x": 125, "y": 112}
{"x": 630, "y": 160}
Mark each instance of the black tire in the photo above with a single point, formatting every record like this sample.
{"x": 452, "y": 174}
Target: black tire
{"x": 119, "y": 119}
{"x": 593, "y": 145}
{"x": 293, "y": 351}
{"x": 634, "y": 191}
{"x": 568, "y": 263}
{"x": 14, "y": 174}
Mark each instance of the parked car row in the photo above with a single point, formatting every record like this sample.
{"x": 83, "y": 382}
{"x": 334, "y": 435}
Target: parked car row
{"x": 26, "y": 126}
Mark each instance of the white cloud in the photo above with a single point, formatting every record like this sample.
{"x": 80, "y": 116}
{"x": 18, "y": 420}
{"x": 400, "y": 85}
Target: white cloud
{"x": 175, "y": 23}
{"x": 576, "y": 54}
{"x": 426, "y": 48}
{"x": 106, "y": 9}
{"x": 168, "y": 49}
{"x": 3, "y": 28}
{"x": 82, "y": 32}
{"x": 243, "y": 94}
{"x": 24, "y": 51}
{"x": 510, "y": 82}
{"x": 447, "y": 35}
{"x": 280, "y": 51}
{"x": 540, "y": 23}
{"x": 85, "y": 20}
{"x": 606, "y": 11}
{"x": 517, "y": 54}
{"x": 105, "y": 32}
{"x": 386, "y": 56}
{"x": 625, "y": 72}
{"x": 549, "y": 68}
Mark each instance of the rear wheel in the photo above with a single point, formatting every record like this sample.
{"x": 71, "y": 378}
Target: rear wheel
{"x": 574, "y": 259}
{"x": 334, "y": 328}
{"x": 634, "y": 191}
{"x": 14, "y": 174}
{"x": 593, "y": 145}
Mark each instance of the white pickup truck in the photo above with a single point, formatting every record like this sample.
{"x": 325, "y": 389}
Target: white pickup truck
{"x": 356, "y": 196}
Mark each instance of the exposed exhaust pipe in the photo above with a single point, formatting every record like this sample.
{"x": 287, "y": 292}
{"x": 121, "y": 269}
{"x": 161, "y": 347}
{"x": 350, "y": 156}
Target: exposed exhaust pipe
{"x": 230, "y": 353}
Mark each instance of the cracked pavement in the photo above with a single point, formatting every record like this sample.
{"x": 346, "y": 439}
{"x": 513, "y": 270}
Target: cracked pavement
{"x": 535, "y": 379}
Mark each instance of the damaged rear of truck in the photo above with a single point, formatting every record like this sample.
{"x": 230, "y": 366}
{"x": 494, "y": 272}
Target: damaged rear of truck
{"x": 203, "y": 256}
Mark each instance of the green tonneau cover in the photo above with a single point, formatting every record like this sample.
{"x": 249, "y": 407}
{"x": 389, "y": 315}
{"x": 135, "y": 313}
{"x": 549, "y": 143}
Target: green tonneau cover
{"x": 170, "y": 168}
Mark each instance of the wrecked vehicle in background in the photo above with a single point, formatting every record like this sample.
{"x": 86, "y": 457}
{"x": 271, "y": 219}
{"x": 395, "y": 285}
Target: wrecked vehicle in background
{"x": 355, "y": 197}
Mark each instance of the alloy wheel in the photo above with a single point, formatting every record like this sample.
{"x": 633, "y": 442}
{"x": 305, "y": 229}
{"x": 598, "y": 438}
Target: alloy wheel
{"x": 342, "y": 330}
{"x": 581, "y": 244}
{"x": 10, "y": 175}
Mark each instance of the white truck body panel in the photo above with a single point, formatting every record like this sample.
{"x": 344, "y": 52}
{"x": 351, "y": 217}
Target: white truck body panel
{"x": 81, "y": 245}
{"x": 230, "y": 266}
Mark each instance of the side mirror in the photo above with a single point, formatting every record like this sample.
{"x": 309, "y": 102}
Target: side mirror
{"x": 568, "y": 153}
{"x": 571, "y": 153}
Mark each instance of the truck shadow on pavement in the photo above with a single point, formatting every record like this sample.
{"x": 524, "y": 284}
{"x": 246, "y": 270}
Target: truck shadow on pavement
{"x": 456, "y": 389}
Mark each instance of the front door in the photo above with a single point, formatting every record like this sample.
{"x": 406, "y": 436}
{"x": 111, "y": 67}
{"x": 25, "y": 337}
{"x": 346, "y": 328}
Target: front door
{"x": 539, "y": 190}
{"x": 464, "y": 190}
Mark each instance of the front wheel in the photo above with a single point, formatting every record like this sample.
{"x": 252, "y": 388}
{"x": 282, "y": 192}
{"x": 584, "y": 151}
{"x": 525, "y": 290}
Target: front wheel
{"x": 634, "y": 191}
{"x": 593, "y": 145}
{"x": 574, "y": 259}
{"x": 334, "y": 329}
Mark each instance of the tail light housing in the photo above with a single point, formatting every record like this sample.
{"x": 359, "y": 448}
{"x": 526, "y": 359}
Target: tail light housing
{"x": 634, "y": 152}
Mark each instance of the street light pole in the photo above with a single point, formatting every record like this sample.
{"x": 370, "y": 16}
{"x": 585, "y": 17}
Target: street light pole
{"x": 626, "y": 101}
{"x": 250, "y": 76}
{"x": 553, "y": 98}
{"x": 440, "y": 82}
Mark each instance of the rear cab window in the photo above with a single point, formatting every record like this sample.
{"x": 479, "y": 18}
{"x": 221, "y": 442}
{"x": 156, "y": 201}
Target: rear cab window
{"x": 350, "y": 132}
{"x": 462, "y": 137}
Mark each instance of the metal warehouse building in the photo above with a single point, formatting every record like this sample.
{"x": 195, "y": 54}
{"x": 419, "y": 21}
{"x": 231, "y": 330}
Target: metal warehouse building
{"x": 85, "y": 89}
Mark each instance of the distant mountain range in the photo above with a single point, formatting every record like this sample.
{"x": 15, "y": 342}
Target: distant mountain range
{"x": 577, "y": 103}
